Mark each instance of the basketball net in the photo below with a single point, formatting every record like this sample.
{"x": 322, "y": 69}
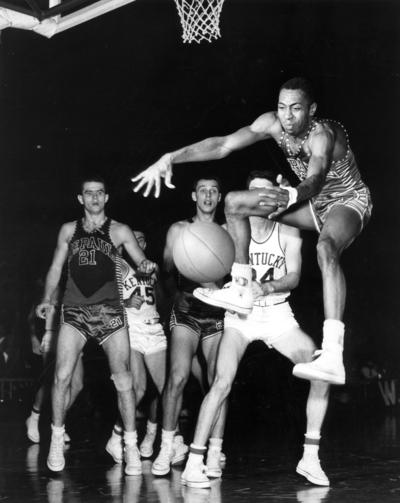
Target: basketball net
{"x": 199, "y": 19}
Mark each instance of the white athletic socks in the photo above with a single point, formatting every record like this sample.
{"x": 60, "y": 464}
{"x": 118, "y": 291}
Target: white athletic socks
{"x": 333, "y": 335}
{"x": 215, "y": 443}
{"x": 167, "y": 437}
{"x": 196, "y": 454}
{"x": 58, "y": 430}
{"x": 130, "y": 438}
{"x": 311, "y": 443}
{"x": 151, "y": 428}
{"x": 241, "y": 274}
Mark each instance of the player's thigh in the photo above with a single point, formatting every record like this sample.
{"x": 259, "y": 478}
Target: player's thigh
{"x": 300, "y": 217}
{"x": 342, "y": 225}
{"x": 117, "y": 350}
{"x": 156, "y": 364}
{"x": 296, "y": 345}
{"x": 183, "y": 346}
{"x": 69, "y": 346}
{"x": 138, "y": 369}
{"x": 231, "y": 350}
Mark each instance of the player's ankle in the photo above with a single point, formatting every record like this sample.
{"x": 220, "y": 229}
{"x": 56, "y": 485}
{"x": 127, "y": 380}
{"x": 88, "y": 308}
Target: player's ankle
{"x": 333, "y": 334}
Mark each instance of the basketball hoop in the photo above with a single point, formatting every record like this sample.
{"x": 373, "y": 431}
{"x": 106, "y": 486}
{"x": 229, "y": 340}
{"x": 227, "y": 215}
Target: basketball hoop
{"x": 199, "y": 19}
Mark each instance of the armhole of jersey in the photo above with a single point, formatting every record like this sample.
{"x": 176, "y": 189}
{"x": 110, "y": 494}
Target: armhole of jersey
{"x": 78, "y": 226}
{"x": 279, "y": 238}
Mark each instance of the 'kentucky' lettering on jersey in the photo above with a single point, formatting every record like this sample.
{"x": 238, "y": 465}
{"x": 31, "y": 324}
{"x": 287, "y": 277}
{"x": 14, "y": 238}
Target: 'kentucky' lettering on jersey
{"x": 265, "y": 258}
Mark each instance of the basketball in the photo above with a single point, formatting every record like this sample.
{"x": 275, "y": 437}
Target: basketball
{"x": 203, "y": 252}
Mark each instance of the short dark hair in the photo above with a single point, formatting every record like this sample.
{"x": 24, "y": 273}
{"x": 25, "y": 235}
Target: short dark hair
{"x": 91, "y": 178}
{"x": 210, "y": 177}
{"x": 266, "y": 174}
{"x": 301, "y": 84}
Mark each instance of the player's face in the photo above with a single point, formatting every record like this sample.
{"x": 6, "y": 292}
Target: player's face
{"x": 207, "y": 195}
{"x": 93, "y": 197}
{"x": 260, "y": 183}
{"x": 294, "y": 111}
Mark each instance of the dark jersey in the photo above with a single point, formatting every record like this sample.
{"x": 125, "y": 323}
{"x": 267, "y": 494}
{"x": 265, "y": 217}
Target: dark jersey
{"x": 94, "y": 275}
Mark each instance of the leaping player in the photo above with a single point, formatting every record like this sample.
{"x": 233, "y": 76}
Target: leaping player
{"x": 330, "y": 198}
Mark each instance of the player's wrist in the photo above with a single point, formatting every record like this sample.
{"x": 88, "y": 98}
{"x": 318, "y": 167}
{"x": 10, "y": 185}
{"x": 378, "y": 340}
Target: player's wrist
{"x": 268, "y": 288}
{"x": 168, "y": 158}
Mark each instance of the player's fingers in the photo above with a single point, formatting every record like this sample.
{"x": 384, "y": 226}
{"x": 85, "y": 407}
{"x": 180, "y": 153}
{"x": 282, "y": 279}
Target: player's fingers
{"x": 137, "y": 177}
{"x": 167, "y": 181}
{"x": 149, "y": 187}
{"x": 279, "y": 179}
{"x": 139, "y": 185}
{"x": 157, "y": 187}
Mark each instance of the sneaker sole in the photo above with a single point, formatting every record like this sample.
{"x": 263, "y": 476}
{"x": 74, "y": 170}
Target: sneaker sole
{"x": 35, "y": 440}
{"x": 317, "y": 375}
{"x": 311, "y": 478}
{"x": 55, "y": 468}
{"x": 160, "y": 473}
{"x": 117, "y": 460}
{"x": 223, "y": 305}
{"x": 214, "y": 474}
{"x": 195, "y": 485}
{"x": 135, "y": 472}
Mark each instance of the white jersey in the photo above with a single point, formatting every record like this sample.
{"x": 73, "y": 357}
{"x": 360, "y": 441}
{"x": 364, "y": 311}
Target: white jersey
{"x": 268, "y": 260}
{"x": 134, "y": 283}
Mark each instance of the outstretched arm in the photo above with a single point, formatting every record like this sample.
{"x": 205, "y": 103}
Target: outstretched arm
{"x": 126, "y": 238}
{"x": 213, "y": 148}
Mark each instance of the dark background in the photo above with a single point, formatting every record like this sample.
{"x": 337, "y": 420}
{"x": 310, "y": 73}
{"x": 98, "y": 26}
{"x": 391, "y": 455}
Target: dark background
{"x": 113, "y": 94}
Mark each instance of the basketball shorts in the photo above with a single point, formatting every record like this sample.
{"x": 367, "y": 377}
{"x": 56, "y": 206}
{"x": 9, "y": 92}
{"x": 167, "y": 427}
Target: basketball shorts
{"x": 95, "y": 321}
{"x": 267, "y": 324}
{"x": 359, "y": 200}
{"x": 146, "y": 337}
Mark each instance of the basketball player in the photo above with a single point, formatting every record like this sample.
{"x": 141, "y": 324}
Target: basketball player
{"x": 330, "y": 198}
{"x": 46, "y": 348}
{"x": 275, "y": 256}
{"x": 192, "y": 324}
{"x": 148, "y": 346}
{"x": 92, "y": 308}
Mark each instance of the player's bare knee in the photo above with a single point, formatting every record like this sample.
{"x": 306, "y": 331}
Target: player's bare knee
{"x": 123, "y": 381}
{"x": 327, "y": 252}
{"x": 177, "y": 381}
{"x": 62, "y": 377}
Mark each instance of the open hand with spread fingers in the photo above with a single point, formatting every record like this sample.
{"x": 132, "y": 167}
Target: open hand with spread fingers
{"x": 150, "y": 178}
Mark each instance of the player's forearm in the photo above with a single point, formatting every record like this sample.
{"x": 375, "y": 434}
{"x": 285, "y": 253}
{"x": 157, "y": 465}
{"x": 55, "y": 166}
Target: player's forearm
{"x": 284, "y": 284}
{"x": 51, "y": 285}
{"x": 310, "y": 187}
{"x": 205, "y": 150}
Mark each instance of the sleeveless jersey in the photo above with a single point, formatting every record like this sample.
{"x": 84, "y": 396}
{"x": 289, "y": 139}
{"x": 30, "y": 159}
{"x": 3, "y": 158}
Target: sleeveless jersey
{"x": 134, "y": 283}
{"x": 343, "y": 176}
{"x": 93, "y": 268}
{"x": 267, "y": 258}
